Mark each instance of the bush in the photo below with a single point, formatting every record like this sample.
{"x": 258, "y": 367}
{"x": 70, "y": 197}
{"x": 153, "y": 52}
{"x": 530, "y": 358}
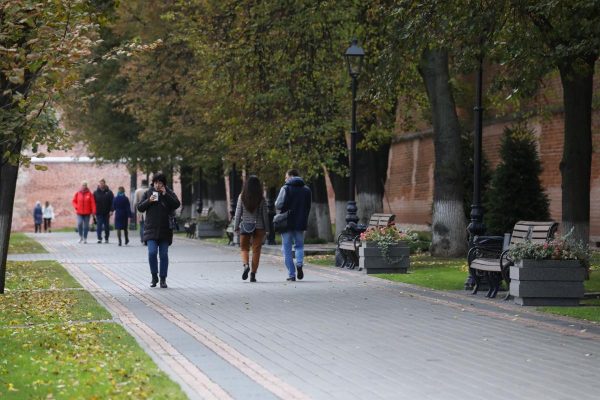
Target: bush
{"x": 516, "y": 192}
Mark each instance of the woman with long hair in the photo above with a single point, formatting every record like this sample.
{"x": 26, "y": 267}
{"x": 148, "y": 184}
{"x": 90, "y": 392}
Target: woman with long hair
{"x": 251, "y": 222}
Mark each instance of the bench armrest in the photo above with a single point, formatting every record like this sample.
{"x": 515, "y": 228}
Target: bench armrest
{"x": 486, "y": 247}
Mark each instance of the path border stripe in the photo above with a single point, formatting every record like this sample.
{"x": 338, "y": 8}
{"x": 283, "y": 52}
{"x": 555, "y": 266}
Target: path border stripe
{"x": 247, "y": 366}
{"x": 185, "y": 369}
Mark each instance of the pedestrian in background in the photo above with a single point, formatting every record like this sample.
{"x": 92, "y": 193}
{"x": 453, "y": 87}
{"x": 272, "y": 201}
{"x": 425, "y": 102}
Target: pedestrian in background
{"x": 138, "y": 196}
{"x": 38, "y": 215}
{"x": 104, "y": 207}
{"x": 48, "y": 214}
{"x": 296, "y": 198}
{"x": 85, "y": 205}
{"x": 251, "y": 222}
{"x": 159, "y": 203}
{"x": 122, "y": 209}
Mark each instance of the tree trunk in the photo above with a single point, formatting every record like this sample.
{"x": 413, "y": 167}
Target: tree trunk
{"x": 186, "y": 192}
{"x": 576, "y": 163}
{"x": 341, "y": 191}
{"x": 8, "y": 184}
{"x": 217, "y": 197}
{"x": 319, "y": 218}
{"x": 449, "y": 237}
{"x": 371, "y": 174}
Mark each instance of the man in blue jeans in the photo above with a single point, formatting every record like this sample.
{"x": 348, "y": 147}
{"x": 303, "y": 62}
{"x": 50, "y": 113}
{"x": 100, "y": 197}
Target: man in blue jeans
{"x": 296, "y": 198}
{"x": 104, "y": 208}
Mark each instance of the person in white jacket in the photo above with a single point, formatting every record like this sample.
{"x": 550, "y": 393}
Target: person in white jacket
{"x": 48, "y": 215}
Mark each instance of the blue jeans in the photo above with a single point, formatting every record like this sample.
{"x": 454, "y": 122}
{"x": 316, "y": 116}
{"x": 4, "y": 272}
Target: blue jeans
{"x": 83, "y": 225}
{"x": 158, "y": 248}
{"x": 102, "y": 221}
{"x": 287, "y": 239}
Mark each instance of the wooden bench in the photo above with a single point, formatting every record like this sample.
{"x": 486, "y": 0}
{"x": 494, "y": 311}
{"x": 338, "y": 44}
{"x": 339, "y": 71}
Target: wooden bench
{"x": 348, "y": 241}
{"x": 485, "y": 261}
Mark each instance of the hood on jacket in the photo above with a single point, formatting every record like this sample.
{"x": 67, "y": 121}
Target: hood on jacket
{"x": 295, "y": 181}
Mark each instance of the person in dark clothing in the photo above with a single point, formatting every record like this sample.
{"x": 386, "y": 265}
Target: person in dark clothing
{"x": 104, "y": 207}
{"x": 38, "y": 215}
{"x": 296, "y": 198}
{"x": 159, "y": 203}
{"x": 122, "y": 209}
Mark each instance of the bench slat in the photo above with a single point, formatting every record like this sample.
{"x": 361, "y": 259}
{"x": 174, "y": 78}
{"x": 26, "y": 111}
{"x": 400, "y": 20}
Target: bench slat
{"x": 486, "y": 264}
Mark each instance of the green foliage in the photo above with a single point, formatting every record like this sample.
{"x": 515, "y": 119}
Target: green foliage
{"x": 516, "y": 192}
{"x": 25, "y": 275}
{"x": 41, "y": 45}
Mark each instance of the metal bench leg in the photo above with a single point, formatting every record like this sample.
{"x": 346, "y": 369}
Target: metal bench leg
{"x": 476, "y": 279}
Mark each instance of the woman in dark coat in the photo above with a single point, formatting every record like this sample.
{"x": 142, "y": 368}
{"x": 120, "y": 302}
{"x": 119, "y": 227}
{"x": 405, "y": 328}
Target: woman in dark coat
{"x": 38, "y": 217}
{"x": 159, "y": 203}
{"x": 122, "y": 209}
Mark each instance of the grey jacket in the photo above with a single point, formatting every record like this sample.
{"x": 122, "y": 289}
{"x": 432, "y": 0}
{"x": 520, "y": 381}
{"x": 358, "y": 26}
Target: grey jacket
{"x": 260, "y": 215}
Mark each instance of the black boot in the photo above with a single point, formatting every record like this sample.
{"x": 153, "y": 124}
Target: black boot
{"x": 154, "y": 280}
{"x": 246, "y": 271}
{"x": 252, "y": 276}
{"x": 163, "y": 282}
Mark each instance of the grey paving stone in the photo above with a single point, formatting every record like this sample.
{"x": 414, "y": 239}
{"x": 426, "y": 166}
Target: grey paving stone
{"x": 343, "y": 335}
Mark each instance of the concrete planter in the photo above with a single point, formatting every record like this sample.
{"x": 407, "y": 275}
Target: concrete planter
{"x": 547, "y": 282}
{"x": 371, "y": 259}
{"x": 208, "y": 229}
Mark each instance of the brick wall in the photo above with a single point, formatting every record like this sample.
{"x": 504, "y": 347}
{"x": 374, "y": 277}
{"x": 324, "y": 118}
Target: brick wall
{"x": 410, "y": 173}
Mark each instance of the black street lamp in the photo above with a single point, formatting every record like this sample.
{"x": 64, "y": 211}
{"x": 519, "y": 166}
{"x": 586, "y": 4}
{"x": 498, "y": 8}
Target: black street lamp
{"x": 476, "y": 227}
{"x": 354, "y": 58}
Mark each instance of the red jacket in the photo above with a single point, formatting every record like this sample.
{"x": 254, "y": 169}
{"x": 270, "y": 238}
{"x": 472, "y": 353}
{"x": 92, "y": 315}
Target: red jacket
{"x": 84, "y": 202}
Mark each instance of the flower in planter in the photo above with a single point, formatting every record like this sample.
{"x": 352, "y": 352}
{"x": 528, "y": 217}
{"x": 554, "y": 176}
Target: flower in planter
{"x": 387, "y": 237}
{"x": 563, "y": 248}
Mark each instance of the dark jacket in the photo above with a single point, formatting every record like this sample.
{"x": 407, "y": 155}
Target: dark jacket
{"x": 122, "y": 211}
{"x": 157, "y": 215}
{"x": 38, "y": 214}
{"x": 295, "y": 197}
{"x": 104, "y": 201}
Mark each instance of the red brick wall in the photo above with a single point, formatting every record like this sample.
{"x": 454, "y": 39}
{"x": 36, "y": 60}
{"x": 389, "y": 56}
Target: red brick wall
{"x": 410, "y": 173}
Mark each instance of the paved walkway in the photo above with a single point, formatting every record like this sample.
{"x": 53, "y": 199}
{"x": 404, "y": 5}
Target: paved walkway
{"x": 334, "y": 335}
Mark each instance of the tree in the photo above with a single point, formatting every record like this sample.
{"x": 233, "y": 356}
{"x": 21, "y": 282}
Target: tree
{"x": 516, "y": 192}
{"x": 41, "y": 44}
{"x": 564, "y": 35}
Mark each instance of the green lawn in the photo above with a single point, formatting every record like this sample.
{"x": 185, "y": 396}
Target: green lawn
{"x": 327, "y": 260}
{"x": 588, "y": 310}
{"x": 434, "y": 273}
{"x": 21, "y": 244}
{"x": 58, "y": 342}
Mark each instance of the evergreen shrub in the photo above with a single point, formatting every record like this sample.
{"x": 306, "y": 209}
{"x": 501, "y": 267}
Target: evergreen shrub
{"x": 516, "y": 192}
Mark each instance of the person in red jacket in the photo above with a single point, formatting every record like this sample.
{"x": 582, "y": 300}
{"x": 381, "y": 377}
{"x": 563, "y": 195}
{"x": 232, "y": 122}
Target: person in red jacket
{"x": 85, "y": 205}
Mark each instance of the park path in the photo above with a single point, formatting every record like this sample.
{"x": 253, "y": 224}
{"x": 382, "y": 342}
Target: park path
{"x": 334, "y": 335}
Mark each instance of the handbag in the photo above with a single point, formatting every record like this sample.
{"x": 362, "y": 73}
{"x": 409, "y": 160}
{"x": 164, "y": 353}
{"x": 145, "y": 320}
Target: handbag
{"x": 247, "y": 228}
{"x": 280, "y": 221}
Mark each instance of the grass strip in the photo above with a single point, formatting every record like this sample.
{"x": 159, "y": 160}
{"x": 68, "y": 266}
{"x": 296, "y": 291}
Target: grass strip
{"x": 434, "y": 273}
{"x": 46, "y": 356}
{"x": 27, "y": 275}
{"x": 588, "y": 310}
{"x": 91, "y": 361}
{"x": 19, "y": 243}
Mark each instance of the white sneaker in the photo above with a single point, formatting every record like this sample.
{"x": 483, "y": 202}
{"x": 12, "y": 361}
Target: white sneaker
{"x": 80, "y": 240}
{"x": 84, "y": 241}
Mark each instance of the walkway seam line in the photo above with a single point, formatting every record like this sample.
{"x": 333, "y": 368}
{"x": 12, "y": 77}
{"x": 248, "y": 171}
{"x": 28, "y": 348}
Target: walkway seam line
{"x": 185, "y": 369}
{"x": 247, "y": 366}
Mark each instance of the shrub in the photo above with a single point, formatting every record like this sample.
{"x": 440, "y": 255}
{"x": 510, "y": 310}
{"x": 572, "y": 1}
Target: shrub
{"x": 516, "y": 192}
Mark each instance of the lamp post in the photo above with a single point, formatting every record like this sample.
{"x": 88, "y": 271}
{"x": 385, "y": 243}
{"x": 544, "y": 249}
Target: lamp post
{"x": 476, "y": 227}
{"x": 354, "y": 59}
